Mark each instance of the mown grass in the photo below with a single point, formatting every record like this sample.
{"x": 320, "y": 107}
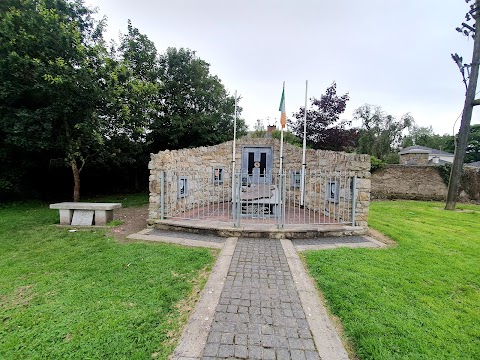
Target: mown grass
{"x": 127, "y": 200}
{"x": 82, "y": 295}
{"x": 418, "y": 300}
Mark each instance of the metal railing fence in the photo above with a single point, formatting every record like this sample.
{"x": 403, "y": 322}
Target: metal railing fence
{"x": 252, "y": 198}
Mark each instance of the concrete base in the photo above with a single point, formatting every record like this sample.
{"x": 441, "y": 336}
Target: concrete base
{"x": 258, "y": 231}
{"x": 102, "y": 217}
{"x": 66, "y": 216}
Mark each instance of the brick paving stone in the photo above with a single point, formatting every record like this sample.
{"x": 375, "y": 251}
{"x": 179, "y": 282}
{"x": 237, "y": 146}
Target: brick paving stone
{"x": 312, "y": 355}
{"x": 255, "y": 352}
{"x": 241, "y": 351}
{"x": 225, "y": 351}
{"x": 298, "y": 354}
{"x": 211, "y": 349}
{"x": 283, "y": 354}
{"x": 259, "y": 315}
{"x": 214, "y": 337}
{"x": 227, "y": 338}
{"x": 269, "y": 354}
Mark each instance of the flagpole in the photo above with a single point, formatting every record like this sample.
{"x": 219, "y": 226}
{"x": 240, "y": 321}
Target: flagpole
{"x": 304, "y": 164}
{"x": 282, "y": 125}
{"x": 233, "y": 146}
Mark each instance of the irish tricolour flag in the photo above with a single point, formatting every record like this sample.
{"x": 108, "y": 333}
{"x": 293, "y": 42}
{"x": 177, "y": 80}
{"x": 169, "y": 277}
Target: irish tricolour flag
{"x": 283, "y": 118}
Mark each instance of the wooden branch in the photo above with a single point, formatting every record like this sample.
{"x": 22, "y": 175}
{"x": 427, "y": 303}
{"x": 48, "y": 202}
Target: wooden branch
{"x": 476, "y": 102}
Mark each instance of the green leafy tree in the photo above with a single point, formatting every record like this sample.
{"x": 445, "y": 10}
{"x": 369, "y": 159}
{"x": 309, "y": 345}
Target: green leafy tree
{"x": 195, "y": 107}
{"x": 288, "y": 137}
{"x": 51, "y": 55}
{"x": 424, "y": 136}
{"x": 473, "y": 147}
{"x": 258, "y": 129}
{"x": 132, "y": 101}
{"x": 380, "y": 133}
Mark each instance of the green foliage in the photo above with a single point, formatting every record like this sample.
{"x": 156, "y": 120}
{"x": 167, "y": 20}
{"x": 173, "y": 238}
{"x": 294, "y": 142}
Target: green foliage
{"x": 418, "y": 300}
{"x": 424, "y": 136}
{"x": 376, "y": 164}
{"x": 50, "y": 88}
{"x": 380, "y": 133}
{"x": 289, "y": 138}
{"x": 444, "y": 171}
{"x": 469, "y": 182}
{"x": 258, "y": 130}
{"x": 65, "y": 100}
{"x": 196, "y": 109}
{"x": 127, "y": 200}
{"x": 473, "y": 147}
{"x": 82, "y": 295}
{"x": 392, "y": 158}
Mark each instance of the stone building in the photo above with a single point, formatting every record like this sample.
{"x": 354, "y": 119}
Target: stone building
{"x": 186, "y": 182}
{"x": 422, "y": 155}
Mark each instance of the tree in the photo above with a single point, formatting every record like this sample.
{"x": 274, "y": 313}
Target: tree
{"x": 324, "y": 128}
{"x": 288, "y": 137}
{"x": 51, "y": 53}
{"x": 195, "y": 107}
{"x": 132, "y": 86}
{"x": 470, "y": 102}
{"x": 380, "y": 133}
{"x": 424, "y": 136}
{"x": 473, "y": 148}
{"x": 258, "y": 129}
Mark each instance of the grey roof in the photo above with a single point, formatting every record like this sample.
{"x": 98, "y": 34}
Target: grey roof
{"x": 416, "y": 149}
{"x": 439, "y": 162}
{"x": 474, "y": 164}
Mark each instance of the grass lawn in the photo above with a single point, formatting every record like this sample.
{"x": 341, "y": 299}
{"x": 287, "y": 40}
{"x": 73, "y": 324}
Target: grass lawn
{"x": 82, "y": 295}
{"x": 418, "y": 300}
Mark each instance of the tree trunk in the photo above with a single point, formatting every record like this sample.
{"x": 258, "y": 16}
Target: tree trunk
{"x": 76, "y": 181}
{"x": 457, "y": 167}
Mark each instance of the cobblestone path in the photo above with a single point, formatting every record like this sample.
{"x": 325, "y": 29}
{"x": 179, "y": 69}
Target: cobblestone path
{"x": 259, "y": 315}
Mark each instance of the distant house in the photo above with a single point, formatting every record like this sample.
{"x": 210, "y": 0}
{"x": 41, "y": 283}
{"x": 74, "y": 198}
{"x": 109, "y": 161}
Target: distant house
{"x": 422, "y": 155}
{"x": 473, "y": 164}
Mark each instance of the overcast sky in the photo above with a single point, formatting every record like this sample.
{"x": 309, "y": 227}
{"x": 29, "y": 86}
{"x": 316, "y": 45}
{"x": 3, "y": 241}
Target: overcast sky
{"x": 394, "y": 54}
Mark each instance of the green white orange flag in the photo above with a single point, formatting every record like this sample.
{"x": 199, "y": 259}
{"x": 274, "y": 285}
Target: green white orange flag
{"x": 283, "y": 118}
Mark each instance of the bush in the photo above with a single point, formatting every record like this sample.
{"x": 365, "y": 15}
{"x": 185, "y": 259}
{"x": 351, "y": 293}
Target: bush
{"x": 376, "y": 163}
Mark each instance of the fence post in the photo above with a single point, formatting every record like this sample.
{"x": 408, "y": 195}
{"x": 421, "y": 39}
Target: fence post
{"x": 354, "y": 198}
{"x": 162, "y": 195}
{"x": 278, "y": 210}
{"x": 239, "y": 196}
{"x": 284, "y": 193}
{"x": 234, "y": 199}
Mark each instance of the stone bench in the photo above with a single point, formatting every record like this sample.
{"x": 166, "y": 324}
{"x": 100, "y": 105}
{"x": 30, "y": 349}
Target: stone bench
{"x": 82, "y": 213}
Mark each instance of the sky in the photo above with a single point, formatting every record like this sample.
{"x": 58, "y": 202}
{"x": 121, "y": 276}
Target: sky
{"x": 394, "y": 54}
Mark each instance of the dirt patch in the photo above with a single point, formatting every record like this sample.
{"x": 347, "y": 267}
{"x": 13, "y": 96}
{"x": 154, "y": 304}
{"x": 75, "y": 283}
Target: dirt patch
{"x": 21, "y": 297}
{"x": 134, "y": 220}
{"x": 377, "y": 235}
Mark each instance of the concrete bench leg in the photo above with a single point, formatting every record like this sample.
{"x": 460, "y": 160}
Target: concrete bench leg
{"x": 102, "y": 217}
{"x": 66, "y": 217}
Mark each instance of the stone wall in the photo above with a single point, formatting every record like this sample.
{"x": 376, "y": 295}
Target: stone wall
{"x": 422, "y": 183}
{"x": 408, "y": 182}
{"x": 414, "y": 158}
{"x": 206, "y": 159}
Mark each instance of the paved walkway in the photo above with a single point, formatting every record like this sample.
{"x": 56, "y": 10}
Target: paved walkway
{"x": 259, "y": 315}
{"x": 259, "y": 302}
